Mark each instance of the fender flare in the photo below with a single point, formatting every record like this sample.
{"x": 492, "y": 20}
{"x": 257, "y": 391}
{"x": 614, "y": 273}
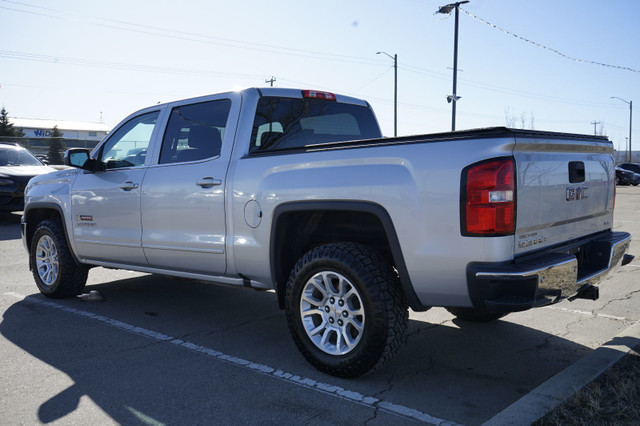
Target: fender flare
{"x": 353, "y": 206}
{"x": 45, "y": 206}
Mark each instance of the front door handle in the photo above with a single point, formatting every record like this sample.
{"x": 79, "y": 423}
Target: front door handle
{"x": 209, "y": 182}
{"x": 128, "y": 185}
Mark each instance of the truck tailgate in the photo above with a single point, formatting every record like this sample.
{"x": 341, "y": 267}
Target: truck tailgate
{"x": 565, "y": 188}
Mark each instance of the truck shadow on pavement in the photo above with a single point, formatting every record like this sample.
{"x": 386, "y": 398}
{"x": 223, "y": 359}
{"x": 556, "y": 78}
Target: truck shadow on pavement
{"x": 452, "y": 370}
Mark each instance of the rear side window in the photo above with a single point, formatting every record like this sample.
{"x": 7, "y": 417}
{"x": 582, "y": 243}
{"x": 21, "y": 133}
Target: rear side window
{"x": 287, "y": 123}
{"x": 195, "y": 132}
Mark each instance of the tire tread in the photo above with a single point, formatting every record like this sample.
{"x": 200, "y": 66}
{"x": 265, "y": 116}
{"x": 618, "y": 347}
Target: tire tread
{"x": 390, "y": 308}
{"x": 71, "y": 276}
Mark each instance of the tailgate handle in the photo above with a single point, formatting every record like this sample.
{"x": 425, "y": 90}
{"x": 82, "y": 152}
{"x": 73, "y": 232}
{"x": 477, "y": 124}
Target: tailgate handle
{"x": 576, "y": 172}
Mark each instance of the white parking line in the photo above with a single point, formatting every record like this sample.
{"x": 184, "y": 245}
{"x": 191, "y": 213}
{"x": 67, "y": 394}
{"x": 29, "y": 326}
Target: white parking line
{"x": 587, "y": 313}
{"x": 325, "y": 388}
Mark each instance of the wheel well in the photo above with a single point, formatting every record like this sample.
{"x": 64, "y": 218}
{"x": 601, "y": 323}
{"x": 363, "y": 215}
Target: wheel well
{"x": 297, "y": 232}
{"x": 34, "y": 216}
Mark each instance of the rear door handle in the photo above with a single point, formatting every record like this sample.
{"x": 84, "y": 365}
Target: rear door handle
{"x": 128, "y": 185}
{"x": 209, "y": 182}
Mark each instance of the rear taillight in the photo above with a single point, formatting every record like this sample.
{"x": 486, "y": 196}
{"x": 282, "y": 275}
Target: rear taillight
{"x": 488, "y": 198}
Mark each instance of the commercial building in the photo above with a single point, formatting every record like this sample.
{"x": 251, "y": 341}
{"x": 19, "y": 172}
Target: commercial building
{"x": 75, "y": 134}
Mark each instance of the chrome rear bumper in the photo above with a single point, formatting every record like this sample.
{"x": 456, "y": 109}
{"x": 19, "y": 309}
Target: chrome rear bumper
{"x": 548, "y": 277}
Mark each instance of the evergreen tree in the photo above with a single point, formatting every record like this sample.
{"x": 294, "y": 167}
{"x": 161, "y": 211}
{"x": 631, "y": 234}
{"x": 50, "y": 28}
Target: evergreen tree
{"x": 6, "y": 127}
{"x": 56, "y": 147}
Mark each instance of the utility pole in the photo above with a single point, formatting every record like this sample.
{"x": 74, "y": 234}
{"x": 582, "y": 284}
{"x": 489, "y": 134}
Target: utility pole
{"x": 273, "y": 79}
{"x": 395, "y": 91}
{"x": 630, "y": 103}
{"x": 454, "y": 98}
{"x": 594, "y": 127}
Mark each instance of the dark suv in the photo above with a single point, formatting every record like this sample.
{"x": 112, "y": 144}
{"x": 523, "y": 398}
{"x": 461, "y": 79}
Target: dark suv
{"x": 634, "y": 167}
{"x": 17, "y": 167}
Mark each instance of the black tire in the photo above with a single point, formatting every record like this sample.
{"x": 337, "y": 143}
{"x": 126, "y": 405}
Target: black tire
{"x": 360, "y": 282}
{"x": 475, "y": 315}
{"x": 55, "y": 271}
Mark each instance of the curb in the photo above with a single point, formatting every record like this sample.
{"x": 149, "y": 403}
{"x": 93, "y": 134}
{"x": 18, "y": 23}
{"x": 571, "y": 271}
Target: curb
{"x": 566, "y": 383}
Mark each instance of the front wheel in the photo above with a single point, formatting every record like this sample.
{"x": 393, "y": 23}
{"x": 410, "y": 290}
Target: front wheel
{"x": 345, "y": 310}
{"x": 54, "y": 269}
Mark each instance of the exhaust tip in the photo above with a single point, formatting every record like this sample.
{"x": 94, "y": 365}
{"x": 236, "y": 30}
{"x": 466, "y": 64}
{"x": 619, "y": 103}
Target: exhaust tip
{"x": 627, "y": 259}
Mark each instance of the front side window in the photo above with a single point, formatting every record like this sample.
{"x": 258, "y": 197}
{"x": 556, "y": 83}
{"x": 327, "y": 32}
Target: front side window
{"x": 289, "y": 123}
{"x": 195, "y": 132}
{"x": 127, "y": 147}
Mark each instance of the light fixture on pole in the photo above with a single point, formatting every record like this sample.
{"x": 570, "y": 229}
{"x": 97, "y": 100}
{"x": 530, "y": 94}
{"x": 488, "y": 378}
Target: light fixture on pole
{"x": 395, "y": 91}
{"x": 630, "y": 103}
{"x": 453, "y": 99}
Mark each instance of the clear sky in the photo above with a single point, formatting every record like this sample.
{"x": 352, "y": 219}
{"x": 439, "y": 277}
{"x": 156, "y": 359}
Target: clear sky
{"x": 81, "y": 60}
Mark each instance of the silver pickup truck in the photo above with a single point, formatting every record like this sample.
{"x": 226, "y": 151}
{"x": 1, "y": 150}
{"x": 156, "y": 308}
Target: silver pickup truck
{"x": 296, "y": 191}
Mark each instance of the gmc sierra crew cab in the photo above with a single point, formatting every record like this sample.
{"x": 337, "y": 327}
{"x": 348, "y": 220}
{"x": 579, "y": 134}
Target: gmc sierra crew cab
{"x": 297, "y": 191}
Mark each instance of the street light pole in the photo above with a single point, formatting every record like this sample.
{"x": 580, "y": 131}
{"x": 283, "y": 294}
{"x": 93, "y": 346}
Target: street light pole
{"x": 453, "y": 99}
{"x": 455, "y": 72}
{"x": 395, "y": 91}
{"x": 630, "y": 103}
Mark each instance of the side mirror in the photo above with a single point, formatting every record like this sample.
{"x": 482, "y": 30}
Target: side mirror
{"x": 79, "y": 157}
{"x": 76, "y": 157}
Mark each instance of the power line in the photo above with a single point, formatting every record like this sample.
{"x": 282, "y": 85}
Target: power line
{"x": 120, "y": 65}
{"x": 372, "y": 81}
{"x": 535, "y": 43}
{"x": 289, "y": 51}
{"x": 495, "y": 88}
{"x": 196, "y": 37}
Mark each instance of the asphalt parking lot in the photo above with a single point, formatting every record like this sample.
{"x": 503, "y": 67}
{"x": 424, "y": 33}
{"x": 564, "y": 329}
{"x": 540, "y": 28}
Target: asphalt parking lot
{"x": 167, "y": 351}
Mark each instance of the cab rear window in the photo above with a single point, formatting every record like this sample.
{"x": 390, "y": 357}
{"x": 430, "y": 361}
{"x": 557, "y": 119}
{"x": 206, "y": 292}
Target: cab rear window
{"x": 288, "y": 123}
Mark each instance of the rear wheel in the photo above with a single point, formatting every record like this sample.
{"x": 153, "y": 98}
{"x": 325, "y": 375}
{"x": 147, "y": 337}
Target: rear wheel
{"x": 345, "y": 309}
{"x": 54, "y": 269}
{"x": 476, "y": 315}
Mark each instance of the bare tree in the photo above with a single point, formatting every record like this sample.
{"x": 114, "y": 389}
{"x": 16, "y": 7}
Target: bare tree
{"x": 510, "y": 119}
{"x": 532, "y": 120}
{"x": 601, "y": 131}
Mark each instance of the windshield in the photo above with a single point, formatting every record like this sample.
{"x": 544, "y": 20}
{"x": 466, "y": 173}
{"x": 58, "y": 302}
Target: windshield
{"x": 14, "y": 156}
